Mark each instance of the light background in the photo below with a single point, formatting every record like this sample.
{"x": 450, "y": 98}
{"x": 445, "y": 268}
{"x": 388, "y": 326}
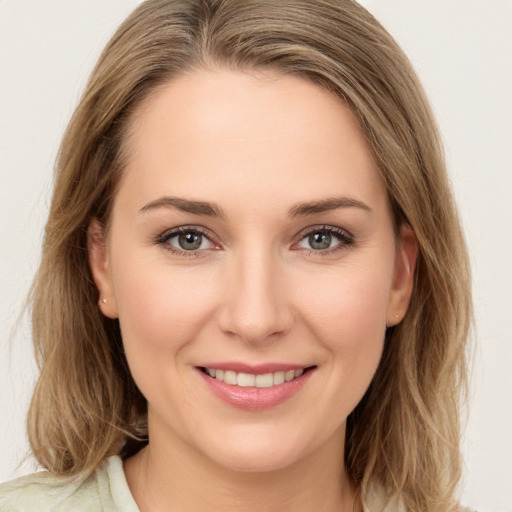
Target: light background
{"x": 462, "y": 50}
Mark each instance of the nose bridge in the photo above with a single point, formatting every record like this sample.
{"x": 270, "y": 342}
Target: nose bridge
{"x": 256, "y": 306}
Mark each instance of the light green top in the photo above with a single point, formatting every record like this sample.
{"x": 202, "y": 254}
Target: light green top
{"x": 106, "y": 491}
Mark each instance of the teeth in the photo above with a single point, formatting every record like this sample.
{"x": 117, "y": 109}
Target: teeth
{"x": 265, "y": 380}
{"x": 230, "y": 378}
{"x": 278, "y": 378}
{"x": 245, "y": 379}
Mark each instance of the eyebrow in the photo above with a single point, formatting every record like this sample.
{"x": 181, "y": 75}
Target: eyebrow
{"x": 325, "y": 205}
{"x": 297, "y": 210}
{"x": 185, "y": 205}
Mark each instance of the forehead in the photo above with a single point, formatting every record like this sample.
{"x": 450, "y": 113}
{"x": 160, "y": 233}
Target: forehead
{"x": 217, "y": 132}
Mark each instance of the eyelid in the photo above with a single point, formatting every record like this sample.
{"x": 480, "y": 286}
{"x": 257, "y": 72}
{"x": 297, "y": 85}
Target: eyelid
{"x": 344, "y": 236}
{"x": 166, "y": 235}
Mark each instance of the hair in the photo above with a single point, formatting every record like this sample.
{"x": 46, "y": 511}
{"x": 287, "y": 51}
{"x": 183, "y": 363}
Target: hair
{"x": 404, "y": 434}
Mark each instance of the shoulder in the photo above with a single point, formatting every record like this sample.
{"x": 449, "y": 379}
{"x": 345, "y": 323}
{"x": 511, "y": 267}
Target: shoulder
{"x": 40, "y": 492}
{"x": 105, "y": 491}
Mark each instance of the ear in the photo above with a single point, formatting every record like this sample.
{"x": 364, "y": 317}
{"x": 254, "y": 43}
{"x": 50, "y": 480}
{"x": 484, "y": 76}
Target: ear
{"x": 100, "y": 270}
{"x": 403, "y": 279}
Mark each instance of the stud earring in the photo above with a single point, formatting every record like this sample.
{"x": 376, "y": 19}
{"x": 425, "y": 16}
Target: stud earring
{"x": 104, "y": 301}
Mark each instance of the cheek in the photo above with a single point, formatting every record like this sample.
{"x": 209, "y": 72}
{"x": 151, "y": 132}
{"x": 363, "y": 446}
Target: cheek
{"x": 161, "y": 310}
{"x": 160, "y": 307}
{"x": 347, "y": 315}
{"x": 348, "y": 305}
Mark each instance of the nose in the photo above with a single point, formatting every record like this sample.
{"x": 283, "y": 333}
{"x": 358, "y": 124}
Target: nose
{"x": 255, "y": 308}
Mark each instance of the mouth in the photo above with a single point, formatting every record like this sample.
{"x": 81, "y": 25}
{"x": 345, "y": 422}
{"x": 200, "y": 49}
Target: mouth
{"x": 251, "y": 380}
{"x": 254, "y": 387}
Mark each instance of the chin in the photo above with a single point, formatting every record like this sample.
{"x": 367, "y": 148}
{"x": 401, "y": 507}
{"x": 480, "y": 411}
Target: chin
{"x": 257, "y": 452}
{"x": 249, "y": 461}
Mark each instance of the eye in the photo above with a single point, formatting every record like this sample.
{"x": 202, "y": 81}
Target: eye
{"x": 325, "y": 239}
{"x": 185, "y": 239}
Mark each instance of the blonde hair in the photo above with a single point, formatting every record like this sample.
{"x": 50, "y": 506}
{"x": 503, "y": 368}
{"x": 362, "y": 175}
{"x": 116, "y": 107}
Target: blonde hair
{"x": 404, "y": 434}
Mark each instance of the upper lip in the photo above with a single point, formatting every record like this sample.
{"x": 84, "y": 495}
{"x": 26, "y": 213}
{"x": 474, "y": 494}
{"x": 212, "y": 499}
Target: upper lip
{"x": 255, "y": 369}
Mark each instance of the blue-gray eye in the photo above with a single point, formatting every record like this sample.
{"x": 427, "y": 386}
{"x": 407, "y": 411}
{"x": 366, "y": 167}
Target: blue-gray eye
{"x": 187, "y": 240}
{"x": 190, "y": 241}
{"x": 320, "y": 240}
{"x": 326, "y": 239}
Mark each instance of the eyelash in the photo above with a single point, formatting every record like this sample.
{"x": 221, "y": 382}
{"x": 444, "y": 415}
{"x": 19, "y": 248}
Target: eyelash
{"x": 164, "y": 238}
{"x": 344, "y": 237}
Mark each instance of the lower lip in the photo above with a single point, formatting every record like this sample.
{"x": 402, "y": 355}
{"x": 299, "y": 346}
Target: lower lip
{"x": 253, "y": 398}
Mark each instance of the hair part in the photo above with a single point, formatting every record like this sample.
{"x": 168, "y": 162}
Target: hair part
{"x": 404, "y": 434}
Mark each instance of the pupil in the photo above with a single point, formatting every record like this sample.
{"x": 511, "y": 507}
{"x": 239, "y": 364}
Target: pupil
{"x": 320, "y": 240}
{"x": 190, "y": 241}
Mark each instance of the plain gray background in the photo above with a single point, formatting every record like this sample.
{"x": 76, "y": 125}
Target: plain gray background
{"x": 462, "y": 50}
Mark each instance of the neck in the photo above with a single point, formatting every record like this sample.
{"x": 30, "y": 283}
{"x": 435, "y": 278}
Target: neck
{"x": 173, "y": 476}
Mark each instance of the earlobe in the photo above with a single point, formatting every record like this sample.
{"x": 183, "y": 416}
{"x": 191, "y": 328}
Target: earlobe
{"x": 403, "y": 279}
{"x": 100, "y": 270}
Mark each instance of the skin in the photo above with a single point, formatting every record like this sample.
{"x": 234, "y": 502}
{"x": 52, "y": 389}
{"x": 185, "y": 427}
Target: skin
{"x": 256, "y": 291}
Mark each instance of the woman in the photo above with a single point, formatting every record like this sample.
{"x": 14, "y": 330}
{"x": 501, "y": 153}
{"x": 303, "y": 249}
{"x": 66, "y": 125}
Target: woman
{"x": 254, "y": 289}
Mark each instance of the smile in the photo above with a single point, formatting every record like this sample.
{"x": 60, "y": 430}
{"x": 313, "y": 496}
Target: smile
{"x": 254, "y": 387}
{"x": 265, "y": 380}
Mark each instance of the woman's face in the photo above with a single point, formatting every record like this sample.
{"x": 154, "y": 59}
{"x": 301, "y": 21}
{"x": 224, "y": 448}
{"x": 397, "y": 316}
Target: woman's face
{"x": 251, "y": 235}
